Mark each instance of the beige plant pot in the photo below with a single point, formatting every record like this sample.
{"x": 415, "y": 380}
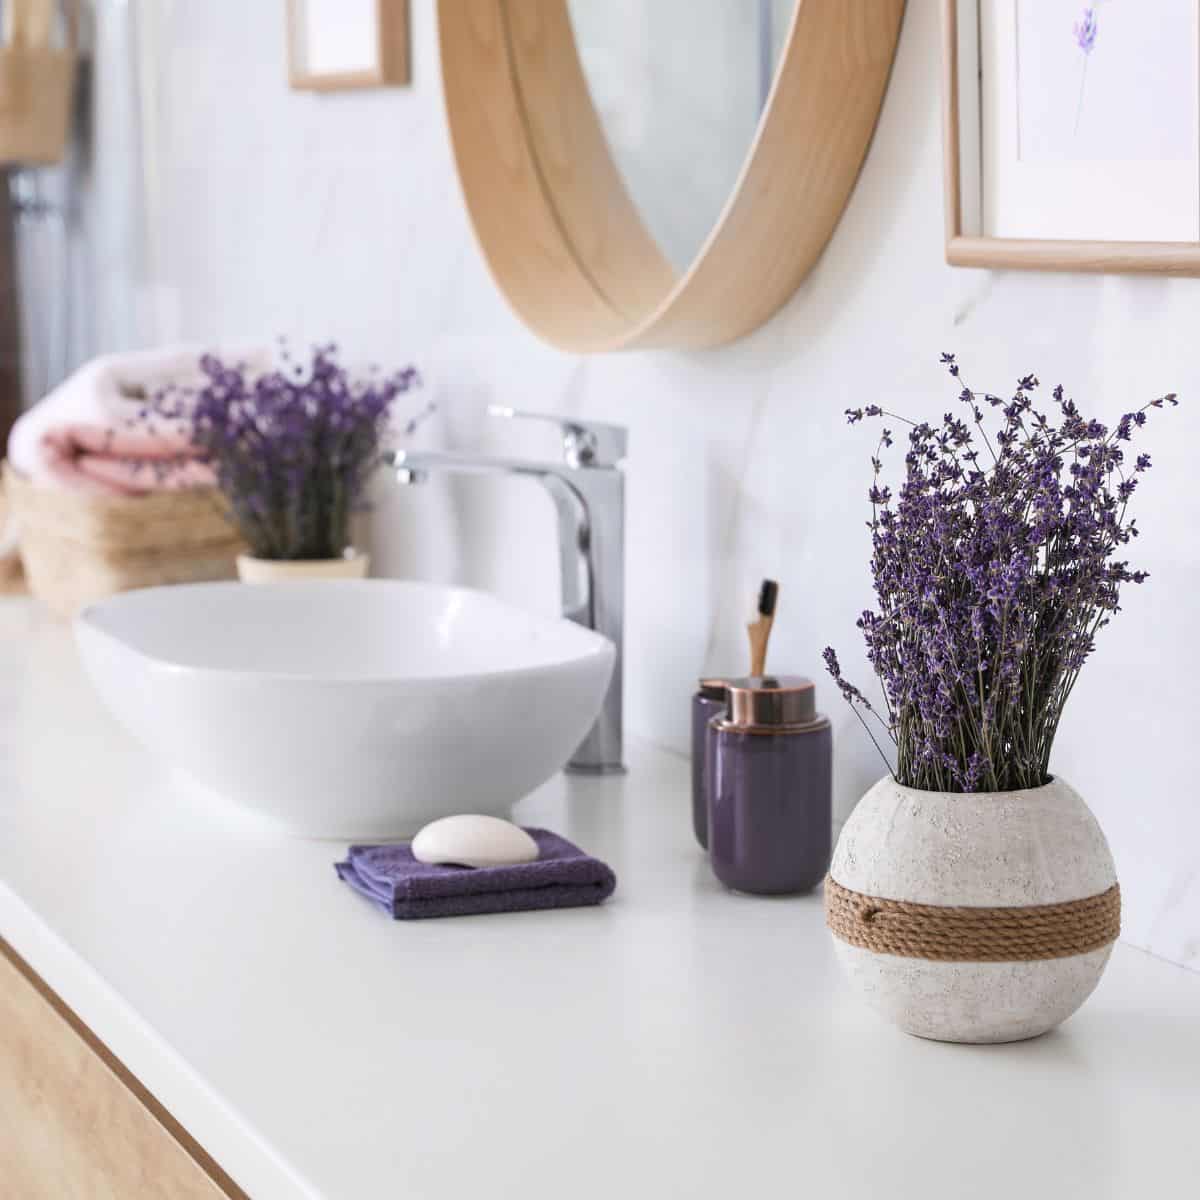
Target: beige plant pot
{"x": 271, "y": 570}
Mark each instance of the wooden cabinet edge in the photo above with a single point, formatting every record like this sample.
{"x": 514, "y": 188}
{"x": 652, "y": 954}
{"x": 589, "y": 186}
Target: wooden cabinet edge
{"x": 195, "y": 1173}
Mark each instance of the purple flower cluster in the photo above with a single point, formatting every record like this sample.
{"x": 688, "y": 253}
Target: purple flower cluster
{"x": 1086, "y": 30}
{"x": 994, "y": 568}
{"x": 292, "y": 449}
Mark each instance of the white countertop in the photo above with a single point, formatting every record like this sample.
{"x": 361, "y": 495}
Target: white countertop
{"x": 677, "y": 1041}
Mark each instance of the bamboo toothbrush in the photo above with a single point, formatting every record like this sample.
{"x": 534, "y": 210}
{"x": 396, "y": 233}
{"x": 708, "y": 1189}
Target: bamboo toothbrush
{"x": 760, "y": 628}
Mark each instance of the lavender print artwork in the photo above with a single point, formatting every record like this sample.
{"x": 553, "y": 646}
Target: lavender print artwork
{"x": 1105, "y": 81}
{"x": 1085, "y": 30}
{"x": 1085, "y": 38}
{"x": 995, "y": 565}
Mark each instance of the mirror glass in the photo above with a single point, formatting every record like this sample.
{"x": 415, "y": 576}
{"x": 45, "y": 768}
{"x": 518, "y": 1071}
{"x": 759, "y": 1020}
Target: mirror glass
{"x": 679, "y": 86}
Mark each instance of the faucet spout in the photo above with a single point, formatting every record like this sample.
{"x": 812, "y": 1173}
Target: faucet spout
{"x": 589, "y": 502}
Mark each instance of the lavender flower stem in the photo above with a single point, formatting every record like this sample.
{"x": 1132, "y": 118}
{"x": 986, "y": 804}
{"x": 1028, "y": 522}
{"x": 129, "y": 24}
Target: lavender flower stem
{"x": 992, "y": 584}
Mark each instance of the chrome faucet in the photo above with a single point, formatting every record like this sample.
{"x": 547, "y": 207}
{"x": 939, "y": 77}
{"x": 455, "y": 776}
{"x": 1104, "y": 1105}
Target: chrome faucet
{"x": 588, "y": 490}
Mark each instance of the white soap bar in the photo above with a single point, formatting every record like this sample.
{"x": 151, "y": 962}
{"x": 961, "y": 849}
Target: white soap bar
{"x": 473, "y": 841}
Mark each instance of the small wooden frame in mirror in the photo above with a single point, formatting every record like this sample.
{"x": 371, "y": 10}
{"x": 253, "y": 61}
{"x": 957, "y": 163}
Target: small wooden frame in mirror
{"x": 564, "y": 241}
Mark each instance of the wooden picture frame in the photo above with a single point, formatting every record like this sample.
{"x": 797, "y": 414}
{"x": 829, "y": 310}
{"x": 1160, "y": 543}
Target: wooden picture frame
{"x": 961, "y": 147}
{"x": 389, "y": 40}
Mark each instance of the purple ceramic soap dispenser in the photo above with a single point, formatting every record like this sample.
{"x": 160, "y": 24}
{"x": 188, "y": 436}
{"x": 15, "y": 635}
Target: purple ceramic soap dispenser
{"x": 770, "y": 798}
{"x": 709, "y": 701}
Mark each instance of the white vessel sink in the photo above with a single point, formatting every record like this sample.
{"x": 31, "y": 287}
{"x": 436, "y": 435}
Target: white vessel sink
{"x": 351, "y": 709}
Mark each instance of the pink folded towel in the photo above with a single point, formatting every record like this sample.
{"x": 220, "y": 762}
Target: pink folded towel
{"x": 109, "y": 462}
{"x": 92, "y": 432}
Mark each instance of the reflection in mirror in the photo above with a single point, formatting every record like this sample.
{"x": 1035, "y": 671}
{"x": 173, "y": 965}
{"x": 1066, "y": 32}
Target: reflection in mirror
{"x": 679, "y": 86}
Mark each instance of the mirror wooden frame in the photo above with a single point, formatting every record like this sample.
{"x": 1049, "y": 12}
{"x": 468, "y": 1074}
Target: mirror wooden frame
{"x": 563, "y": 240}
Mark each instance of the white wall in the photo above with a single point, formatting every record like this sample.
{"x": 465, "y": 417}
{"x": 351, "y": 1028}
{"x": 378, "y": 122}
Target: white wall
{"x": 340, "y": 216}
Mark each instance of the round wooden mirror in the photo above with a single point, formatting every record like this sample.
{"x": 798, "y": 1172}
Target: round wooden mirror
{"x": 562, "y": 236}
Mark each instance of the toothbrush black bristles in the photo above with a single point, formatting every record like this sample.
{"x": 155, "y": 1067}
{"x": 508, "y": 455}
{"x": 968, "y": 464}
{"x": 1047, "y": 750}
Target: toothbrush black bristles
{"x": 767, "y": 595}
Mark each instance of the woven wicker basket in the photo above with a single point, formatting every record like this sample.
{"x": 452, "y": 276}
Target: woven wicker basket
{"x": 37, "y": 82}
{"x": 78, "y": 548}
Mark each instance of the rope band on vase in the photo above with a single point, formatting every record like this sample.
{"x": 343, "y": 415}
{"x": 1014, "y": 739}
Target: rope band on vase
{"x": 944, "y": 933}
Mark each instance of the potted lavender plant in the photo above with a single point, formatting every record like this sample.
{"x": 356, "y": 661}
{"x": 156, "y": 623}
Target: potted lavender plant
{"x": 972, "y": 895}
{"x": 292, "y": 451}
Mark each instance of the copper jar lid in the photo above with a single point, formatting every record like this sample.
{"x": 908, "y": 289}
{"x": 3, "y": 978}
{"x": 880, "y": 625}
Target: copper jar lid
{"x": 713, "y": 689}
{"x": 772, "y": 704}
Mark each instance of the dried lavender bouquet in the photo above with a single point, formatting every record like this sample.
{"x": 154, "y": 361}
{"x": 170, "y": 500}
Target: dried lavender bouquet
{"x": 292, "y": 449}
{"x": 994, "y": 568}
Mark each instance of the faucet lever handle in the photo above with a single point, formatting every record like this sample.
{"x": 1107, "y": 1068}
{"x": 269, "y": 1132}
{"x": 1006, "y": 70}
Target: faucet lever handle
{"x": 585, "y": 443}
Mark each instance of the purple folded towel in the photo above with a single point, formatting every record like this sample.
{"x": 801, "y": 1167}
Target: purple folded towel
{"x": 561, "y": 877}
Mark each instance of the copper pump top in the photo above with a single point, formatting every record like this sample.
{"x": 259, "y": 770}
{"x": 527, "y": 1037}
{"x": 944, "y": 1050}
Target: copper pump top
{"x": 775, "y": 701}
{"x": 713, "y": 688}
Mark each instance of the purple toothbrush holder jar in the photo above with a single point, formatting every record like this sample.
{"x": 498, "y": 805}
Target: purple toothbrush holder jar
{"x": 709, "y": 701}
{"x": 770, "y": 788}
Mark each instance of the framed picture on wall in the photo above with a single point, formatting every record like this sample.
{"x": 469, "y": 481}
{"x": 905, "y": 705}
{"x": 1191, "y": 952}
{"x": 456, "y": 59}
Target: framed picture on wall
{"x": 1072, "y": 134}
{"x": 338, "y": 44}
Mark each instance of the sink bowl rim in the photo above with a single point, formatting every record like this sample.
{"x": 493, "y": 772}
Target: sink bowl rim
{"x": 591, "y": 643}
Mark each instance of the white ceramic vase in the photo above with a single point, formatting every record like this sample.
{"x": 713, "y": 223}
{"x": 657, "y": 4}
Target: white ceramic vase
{"x": 1004, "y": 849}
{"x": 352, "y": 565}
